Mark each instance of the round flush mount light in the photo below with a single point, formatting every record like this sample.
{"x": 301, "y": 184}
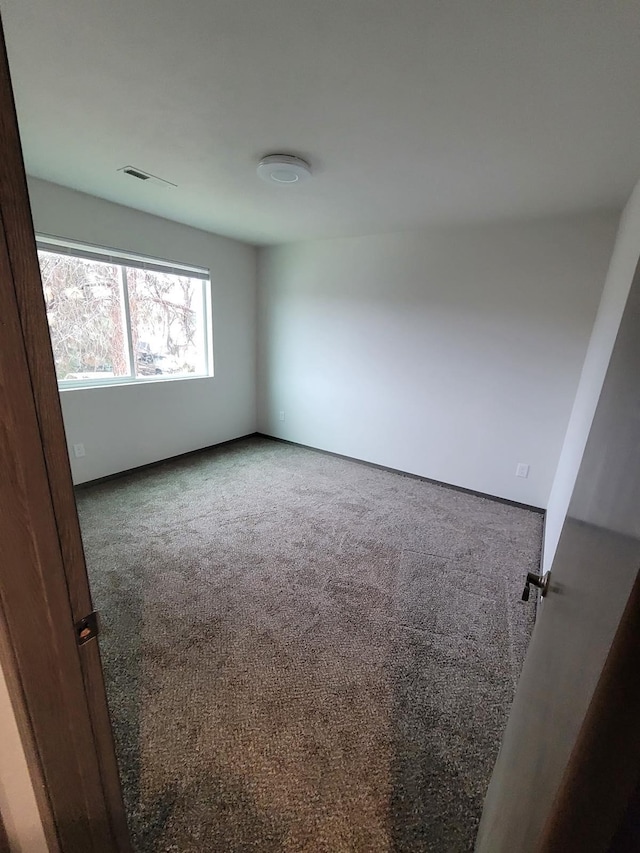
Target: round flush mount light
{"x": 283, "y": 169}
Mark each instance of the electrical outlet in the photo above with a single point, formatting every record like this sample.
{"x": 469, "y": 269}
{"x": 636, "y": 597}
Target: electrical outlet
{"x": 522, "y": 470}
{"x": 281, "y": 416}
{"x": 79, "y": 451}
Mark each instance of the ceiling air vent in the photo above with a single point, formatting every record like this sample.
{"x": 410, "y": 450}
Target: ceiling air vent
{"x": 134, "y": 172}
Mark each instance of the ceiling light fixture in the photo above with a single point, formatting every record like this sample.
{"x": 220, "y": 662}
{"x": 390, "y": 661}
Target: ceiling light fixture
{"x": 283, "y": 169}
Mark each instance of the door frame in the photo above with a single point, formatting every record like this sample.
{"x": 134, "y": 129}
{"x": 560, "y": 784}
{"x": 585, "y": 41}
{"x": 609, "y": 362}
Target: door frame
{"x": 56, "y": 684}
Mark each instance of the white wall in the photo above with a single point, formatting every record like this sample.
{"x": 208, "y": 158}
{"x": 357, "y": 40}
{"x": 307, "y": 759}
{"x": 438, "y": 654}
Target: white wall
{"x": 625, "y": 258}
{"x": 129, "y": 425}
{"x": 18, "y": 805}
{"x": 453, "y": 353}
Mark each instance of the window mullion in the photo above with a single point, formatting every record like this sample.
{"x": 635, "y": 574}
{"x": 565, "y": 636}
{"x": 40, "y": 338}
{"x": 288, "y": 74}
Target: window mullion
{"x": 127, "y": 320}
{"x": 206, "y": 321}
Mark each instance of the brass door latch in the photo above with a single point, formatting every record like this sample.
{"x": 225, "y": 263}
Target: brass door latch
{"x": 87, "y": 628}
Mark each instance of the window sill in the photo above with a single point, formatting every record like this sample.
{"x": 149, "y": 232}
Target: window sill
{"x": 119, "y": 382}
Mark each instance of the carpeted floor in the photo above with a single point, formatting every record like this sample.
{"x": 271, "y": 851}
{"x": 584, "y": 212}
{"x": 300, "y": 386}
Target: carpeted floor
{"x": 303, "y": 653}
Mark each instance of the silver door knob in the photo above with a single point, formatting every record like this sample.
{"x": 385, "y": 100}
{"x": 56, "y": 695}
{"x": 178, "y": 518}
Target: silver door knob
{"x": 541, "y": 581}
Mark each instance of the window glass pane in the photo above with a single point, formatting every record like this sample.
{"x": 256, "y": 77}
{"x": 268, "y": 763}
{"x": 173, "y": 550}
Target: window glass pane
{"x": 86, "y": 318}
{"x": 167, "y": 323}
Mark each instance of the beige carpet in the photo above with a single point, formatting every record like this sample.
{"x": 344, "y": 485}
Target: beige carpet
{"x": 304, "y": 653}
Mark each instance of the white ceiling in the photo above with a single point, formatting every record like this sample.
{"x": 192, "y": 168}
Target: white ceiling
{"x": 411, "y": 111}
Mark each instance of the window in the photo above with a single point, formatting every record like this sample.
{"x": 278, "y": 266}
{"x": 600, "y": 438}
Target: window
{"x": 117, "y": 318}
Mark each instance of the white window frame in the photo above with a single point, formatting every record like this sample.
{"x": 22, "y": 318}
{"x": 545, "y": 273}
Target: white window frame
{"x": 121, "y": 259}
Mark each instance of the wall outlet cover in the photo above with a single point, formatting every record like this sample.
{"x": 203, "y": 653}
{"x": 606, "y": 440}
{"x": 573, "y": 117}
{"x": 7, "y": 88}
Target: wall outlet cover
{"x": 522, "y": 469}
{"x": 79, "y": 451}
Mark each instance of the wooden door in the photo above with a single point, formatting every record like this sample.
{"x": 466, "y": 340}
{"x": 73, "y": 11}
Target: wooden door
{"x": 570, "y": 757}
{"x": 56, "y": 684}
{"x": 4, "y": 840}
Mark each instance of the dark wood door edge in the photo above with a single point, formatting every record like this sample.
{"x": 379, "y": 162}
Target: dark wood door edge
{"x": 61, "y": 683}
{"x": 4, "y": 841}
{"x": 21, "y": 247}
{"x": 35, "y": 602}
{"x": 627, "y": 837}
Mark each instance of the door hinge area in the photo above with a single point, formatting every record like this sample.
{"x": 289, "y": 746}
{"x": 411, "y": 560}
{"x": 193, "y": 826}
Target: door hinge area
{"x": 87, "y": 628}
